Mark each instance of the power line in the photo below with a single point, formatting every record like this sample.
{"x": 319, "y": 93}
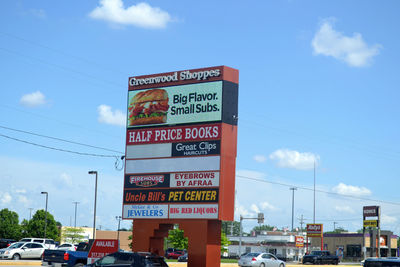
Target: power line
{"x": 59, "y": 149}
{"x": 59, "y": 139}
{"x": 320, "y": 191}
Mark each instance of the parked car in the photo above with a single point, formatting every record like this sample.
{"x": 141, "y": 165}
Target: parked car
{"x": 382, "y": 262}
{"x": 183, "y": 258}
{"x": 320, "y": 257}
{"x": 5, "y": 243}
{"x": 48, "y": 243}
{"x": 67, "y": 246}
{"x": 176, "y": 254}
{"x": 22, "y": 250}
{"x": 260, "y": 260}
{"x": 67, "y": 258}
{"x": 130, "y": 259}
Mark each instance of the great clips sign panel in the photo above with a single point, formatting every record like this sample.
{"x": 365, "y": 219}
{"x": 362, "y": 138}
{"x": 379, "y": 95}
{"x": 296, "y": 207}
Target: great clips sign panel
{"x": 181, "y": 145}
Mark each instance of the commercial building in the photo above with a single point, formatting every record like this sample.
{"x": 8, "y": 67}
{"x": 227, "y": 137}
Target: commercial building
{"x": 278, "y": 243}
{"x": 350, "y": 245}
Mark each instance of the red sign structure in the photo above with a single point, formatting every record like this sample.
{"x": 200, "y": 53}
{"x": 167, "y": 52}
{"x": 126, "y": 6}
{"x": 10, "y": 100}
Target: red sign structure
{"x": 299, "y": 241}
{"x": 101, "y": 248}
{"x": 180, "y": 158}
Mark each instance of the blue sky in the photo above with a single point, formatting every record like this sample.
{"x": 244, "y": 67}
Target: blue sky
{"x": 317, "y": 83}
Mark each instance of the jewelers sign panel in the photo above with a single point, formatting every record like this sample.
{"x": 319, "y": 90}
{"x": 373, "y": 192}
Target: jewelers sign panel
{"x": 175, "y": 144}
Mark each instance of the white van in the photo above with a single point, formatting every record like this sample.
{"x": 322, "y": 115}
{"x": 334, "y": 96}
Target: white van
{"x": 48, "y": 243}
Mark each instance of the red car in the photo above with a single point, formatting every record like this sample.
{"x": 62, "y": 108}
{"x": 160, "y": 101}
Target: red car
{"x": 176, "y": 254}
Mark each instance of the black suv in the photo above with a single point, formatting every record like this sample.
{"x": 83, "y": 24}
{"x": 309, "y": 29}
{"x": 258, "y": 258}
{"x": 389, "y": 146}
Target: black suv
{"x": 5, "y": 243}
{"x": 382, "y": 262}
{"x": 130, "y": 259}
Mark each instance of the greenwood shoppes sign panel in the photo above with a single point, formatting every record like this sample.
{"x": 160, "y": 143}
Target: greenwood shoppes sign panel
{"x": 181, "y": 145}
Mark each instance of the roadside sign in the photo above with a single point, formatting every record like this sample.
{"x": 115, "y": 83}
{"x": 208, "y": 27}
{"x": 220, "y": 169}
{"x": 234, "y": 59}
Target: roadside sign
{"x": 314, "y": 230}
{"x": 101, "y": 248}
{"x": 299, "y": 241}
{"x": 370, "y": 223}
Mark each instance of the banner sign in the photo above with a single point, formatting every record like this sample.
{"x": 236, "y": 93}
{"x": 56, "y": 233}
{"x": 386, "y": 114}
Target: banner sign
{"x": 145, "y": 211}
{"x": 314, "y": 230}
{"x": 175, "y": 105}
{"x": 171, "y": 196}
{"x": 299, "y": 241}
{"x": 370, "y": 223}
{"x": 196, "y": 148}
{"x": 204, "y": 211}
{"x": 173, "y": 134}
{"x": 101, "y": 248}
{"x": 147, "y": 180}
{"x": 370, "y": 211}
{"x": 195, "y": 179}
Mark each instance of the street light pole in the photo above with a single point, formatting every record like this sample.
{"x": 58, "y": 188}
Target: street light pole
{"x": 314, "y": 194}
{"x": 45, "y": 215}
{"x": 293, "y": 188}
{"x": 119, "y": 221}
{"x": 76, "y": 204}
{"x": 95, "y": 199}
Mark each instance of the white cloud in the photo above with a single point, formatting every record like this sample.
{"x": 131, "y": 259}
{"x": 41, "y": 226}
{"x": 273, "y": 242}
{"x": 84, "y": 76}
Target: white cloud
{"x": 106, "y": 115}
{"x": 34, "y": 99}
{"x": 5, "y": 198}
{"x": 352, "y": 50}
{"x": 260, "y": 158}
{"x": 24, "y": 200}
{"x": 345, "y": 209}
{"x": 254, "y": 208}
{"x": 351, "y": 190}
{"x": 267, "y": 206}
{"x": 388, "y": 219}
{"x": 140, "y": 15}
{"x": 20, "y": 191}
{"x": 65, "y": 180}
{"x": 293, "y": 159}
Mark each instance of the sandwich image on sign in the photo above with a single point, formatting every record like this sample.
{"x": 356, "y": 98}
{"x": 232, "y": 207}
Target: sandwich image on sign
{"x": 148, "y": 107}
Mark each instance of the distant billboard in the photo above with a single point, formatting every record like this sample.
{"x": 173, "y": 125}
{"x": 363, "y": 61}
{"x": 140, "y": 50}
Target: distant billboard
{"x": 314, "y": 230}
{"x": 370, "y": 211}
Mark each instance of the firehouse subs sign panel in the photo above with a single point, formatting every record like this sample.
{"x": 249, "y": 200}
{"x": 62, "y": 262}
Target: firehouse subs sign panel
{"x": 181, "y": 145}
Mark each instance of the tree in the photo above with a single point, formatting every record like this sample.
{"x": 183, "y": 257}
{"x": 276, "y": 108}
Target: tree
{"x": 73, "y": 235}
{"x": 9, "y": 225}
{"x": 35, "y": 227}
{"x": 264, "y": 227}
{"x": 177, "y": 239}
{"x": 229, "y": 227}
{"x": 224, "y": 242}
{"x": 338, "y": 230}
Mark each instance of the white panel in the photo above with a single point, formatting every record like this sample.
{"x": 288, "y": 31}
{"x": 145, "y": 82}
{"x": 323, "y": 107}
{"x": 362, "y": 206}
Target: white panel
{"x": 173, "y": 165}
{"x": 196, "y": 211}
{"x": 149, "y": 151}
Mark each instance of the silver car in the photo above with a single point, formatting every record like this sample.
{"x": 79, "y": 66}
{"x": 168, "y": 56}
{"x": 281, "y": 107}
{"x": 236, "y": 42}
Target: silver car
{"x": 260, "y": 260}
{"x": 21, "y": 250}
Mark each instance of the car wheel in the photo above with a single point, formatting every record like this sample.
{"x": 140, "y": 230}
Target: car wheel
{"x": 262, "y": 264}
{"x": 281, "y": 265}
{"x": 16, "y": 257}
{"x": 336, "y": 262}
{"x": 79, "y": 265}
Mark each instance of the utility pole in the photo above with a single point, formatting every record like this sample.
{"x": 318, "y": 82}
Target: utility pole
{"x": 30, "y": 213}
{"x": 334, "y": 225}
{"x": 314, "y": 194}
{"x": 301, "y": 223}
{"x": 293, "y": 188}
{"x": 76, "y": 203}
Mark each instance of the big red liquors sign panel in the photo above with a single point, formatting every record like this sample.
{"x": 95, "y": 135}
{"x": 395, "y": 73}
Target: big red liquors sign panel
{"x": 174, "y": 144}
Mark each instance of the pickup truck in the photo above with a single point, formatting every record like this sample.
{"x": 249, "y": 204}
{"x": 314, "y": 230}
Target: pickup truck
{"x": 64, "y": 258}
{"x": 320, "y": 257}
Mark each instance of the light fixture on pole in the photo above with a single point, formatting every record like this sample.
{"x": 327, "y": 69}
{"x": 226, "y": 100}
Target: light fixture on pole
{"x": 45, "y": 216}
{"x": 293, "y": 188}
{"x": 76, "y": 204}
{"x": 119, "y": 221}
{"x": 95, "y": 199}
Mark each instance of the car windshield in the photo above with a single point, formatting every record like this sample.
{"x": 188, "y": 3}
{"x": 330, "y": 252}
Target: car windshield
{"x": 17, "y": 245}
{"x": 318, "y": 253}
